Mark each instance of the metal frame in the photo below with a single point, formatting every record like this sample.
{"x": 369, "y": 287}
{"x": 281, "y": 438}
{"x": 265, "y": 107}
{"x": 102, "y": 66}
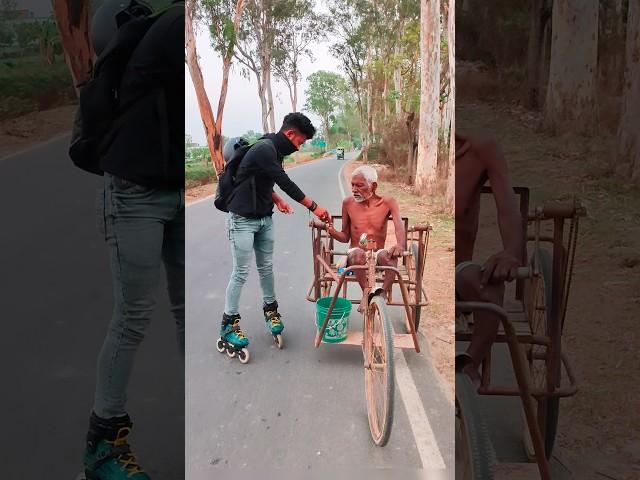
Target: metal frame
{"x": 562, "y": 266}
{"x": 411, "y": 288}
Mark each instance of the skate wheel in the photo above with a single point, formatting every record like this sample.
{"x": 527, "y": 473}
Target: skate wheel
{"x": 243, "y": 355}
{"x": 279, "y": 340}
{"x": 231, "y": 352}
{"x": 220, "y": 345}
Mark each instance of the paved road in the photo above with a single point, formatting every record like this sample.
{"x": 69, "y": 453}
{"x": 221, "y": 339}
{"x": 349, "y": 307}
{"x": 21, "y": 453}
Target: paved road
{"x": 300, "y": 408}
{"x": 55, "y": 304}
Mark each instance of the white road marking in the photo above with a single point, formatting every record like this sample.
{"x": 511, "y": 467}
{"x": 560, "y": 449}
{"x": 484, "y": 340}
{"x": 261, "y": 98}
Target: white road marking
{"x": 422, "y": 432}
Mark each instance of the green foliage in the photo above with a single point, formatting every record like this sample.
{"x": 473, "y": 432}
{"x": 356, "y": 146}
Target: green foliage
{"x": 197, "y": 154}
{"x": 294, "y": 37}
{"x": 325, "y": 94}
{"x": 346, "y": 144}
{"x": 217, "y": 15}
{"x": 251, "y": 136}
{"x": 27, "y": 86}
{"x": 198, "y": 174}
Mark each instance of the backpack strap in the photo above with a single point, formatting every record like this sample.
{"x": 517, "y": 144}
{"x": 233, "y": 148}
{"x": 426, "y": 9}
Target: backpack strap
{"x": 251, "y": 177}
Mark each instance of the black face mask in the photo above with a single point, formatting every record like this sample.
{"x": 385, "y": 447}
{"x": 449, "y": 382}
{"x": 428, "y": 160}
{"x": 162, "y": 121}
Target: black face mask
{"x": 284, "y": 145}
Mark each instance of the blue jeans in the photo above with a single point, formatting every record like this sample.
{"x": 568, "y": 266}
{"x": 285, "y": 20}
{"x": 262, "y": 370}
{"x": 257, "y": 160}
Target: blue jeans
{"x": 143, "y": 228}
{"x": 249, "y": 235}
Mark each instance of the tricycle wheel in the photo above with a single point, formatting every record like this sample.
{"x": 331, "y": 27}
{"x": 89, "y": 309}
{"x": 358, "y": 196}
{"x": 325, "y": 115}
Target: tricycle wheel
{"x": 416, "y": 262}
{"x": 379, "y": 374}
{"x": 474, "y": 455}
{"x": 538, "y": 298}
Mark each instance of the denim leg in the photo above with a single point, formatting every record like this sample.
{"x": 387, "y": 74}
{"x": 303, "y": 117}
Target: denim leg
{"x": 134, "y": 220}
{"x": 263, "y": 246}
{"x": 240, "y": 232}
{"x": 173, "y": 257}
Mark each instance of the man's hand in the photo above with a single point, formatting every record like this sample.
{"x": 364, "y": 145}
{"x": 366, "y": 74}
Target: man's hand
{"x": 284, "y": 207}
{"x": 500, "y": 267}
{"x": 395, "y": 251}
{"x": 322, "y": 213}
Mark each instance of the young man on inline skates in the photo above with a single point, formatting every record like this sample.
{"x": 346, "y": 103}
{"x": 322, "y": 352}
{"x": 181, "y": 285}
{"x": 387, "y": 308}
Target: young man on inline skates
{"x": 250, "y": 226}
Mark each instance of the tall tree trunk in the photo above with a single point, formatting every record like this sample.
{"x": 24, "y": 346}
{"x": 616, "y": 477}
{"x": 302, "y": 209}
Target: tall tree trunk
{"x": 385, "y": 97}
{"x": 545, "y": 59}
{"x": 426, "y": 168}
{"x": 397, "y": 70}
{"x": 262, "y": 94}
{"x": 362, "y": 129}
{"x": 211, "y": 129}
{"x": 369, "y": 97}
{"x": 272, "y": 113}
{"x": 327, "y": 138}
{"x": 618, "y": 61}
{"x": 450, "y": 189}
{"x": 628, "y": 132}
{"x": 447, "y": 108}
{"x": 540, "y": 15}
{"x": 293, "y": 92}
{"x": 397, "y": 85}
{"x": 412, "y": 141}
{"x": 571, "y": 94}
{"x": 72, "y": 19}
{"x": 226, "y": 67}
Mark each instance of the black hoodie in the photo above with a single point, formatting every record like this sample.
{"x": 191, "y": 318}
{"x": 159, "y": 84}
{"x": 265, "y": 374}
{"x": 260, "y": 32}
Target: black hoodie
{"x": 147, "y": 147}
{"x": 260, "y": 169}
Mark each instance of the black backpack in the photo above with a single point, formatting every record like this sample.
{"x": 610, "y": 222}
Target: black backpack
{"x": 227, "y": 179}
{"x": 100, "y": 111}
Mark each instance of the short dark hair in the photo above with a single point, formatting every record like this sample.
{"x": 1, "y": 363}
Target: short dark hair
{"x": 300, "y": 122}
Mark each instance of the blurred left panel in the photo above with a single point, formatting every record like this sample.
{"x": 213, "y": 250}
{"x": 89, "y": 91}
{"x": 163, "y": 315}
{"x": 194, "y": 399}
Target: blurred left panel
{"x": 92, "y": 239}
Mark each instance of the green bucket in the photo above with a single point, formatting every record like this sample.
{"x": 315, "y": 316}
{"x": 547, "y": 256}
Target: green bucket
{"x": 338, "y": 325}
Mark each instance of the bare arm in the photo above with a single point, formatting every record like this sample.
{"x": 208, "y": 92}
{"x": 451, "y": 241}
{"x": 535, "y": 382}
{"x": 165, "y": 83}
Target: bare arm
{"x": 401, "y": 236}
{"x": 345, "y": 235}
{"x": 502, "y": 265}
{"x": 283, "y": 206}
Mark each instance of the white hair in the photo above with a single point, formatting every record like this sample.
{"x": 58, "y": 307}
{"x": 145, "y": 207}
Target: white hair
{"x": 369, "y": 173}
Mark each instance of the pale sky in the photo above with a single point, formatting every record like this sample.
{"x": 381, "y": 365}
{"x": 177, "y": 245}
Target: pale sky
{"x": 242, "y": 111}
{"x": 242, "y": 106}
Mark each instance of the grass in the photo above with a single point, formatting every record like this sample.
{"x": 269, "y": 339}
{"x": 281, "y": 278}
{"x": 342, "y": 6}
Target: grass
{"x": 558, "y": 168}
{"x": 196, "y": 174}
{"x": 29, "y": 85}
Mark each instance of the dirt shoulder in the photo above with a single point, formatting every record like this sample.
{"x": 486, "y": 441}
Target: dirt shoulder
{"x": 600, "y": 332}
{"x": 29, "y": 130}
{"x": 436, "y": 324}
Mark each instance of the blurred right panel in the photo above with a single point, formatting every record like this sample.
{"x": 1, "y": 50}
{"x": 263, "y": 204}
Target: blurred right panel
{"x": 547, "y": 238}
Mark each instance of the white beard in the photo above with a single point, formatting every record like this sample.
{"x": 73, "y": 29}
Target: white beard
{"x": 360, "y": 199}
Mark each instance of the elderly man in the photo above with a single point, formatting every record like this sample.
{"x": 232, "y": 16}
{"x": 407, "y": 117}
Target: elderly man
{"x": 367, "y": 212}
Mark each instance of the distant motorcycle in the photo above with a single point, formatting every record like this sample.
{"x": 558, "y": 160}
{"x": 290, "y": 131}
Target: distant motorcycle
{"x": 340, "y": 153}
